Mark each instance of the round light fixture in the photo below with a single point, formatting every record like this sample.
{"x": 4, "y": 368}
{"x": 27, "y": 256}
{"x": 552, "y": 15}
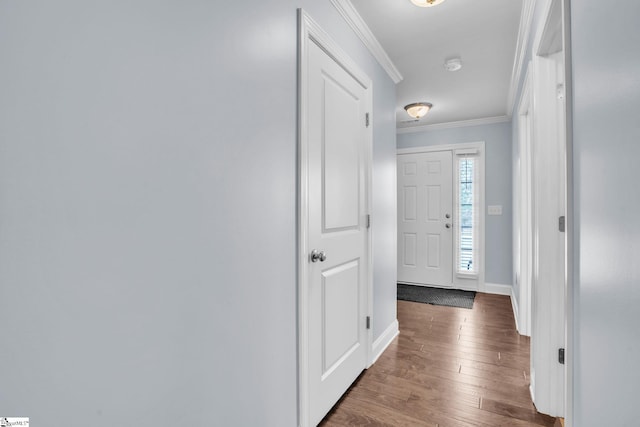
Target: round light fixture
{"x": 426, "y": 3}
{"x": 453, "y": 64}
{"x": 418, "y": 109}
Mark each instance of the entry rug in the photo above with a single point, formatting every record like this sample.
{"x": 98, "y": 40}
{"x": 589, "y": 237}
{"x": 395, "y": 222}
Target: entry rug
{"x": 436, "y": 296}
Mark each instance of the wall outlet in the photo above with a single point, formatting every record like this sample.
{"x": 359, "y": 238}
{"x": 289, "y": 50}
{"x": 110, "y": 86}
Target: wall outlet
{"x": 495, "y": 210}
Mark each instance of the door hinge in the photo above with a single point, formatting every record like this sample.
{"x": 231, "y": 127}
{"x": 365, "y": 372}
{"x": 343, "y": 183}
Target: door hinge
{"x": 366, "y": 120}
{"x": 368, "y": 322}
{"x": 368, "y": 221}
{"x": 561, "y": 355}
{"x": 561, "y": 223}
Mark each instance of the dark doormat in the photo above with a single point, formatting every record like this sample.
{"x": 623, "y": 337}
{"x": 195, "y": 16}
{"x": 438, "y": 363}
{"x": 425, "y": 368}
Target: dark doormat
{"x": 436, "y": 296}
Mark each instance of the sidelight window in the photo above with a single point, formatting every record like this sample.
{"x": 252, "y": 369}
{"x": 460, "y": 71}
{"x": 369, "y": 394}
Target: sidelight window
{"x": 466, "y": 214}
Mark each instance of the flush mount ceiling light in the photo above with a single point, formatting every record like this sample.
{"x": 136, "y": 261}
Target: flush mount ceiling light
{"x": 426, "y": 3}
{"x": 453, "y": 64}
{"x": 418, "y": 109}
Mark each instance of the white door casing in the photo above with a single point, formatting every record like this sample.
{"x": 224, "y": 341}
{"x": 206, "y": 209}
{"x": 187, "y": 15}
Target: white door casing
{"x": 523, "y": 208}
{"x": 334, "y": 286}
{"x": 425, "y": 218}
{"x": 549, "y": 153}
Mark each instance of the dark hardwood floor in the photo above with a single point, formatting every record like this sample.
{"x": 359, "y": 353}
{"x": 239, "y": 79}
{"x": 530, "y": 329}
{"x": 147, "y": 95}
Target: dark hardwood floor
{"x": 450, "y": 367}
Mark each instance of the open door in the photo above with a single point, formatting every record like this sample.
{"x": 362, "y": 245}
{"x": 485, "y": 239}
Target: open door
{"x": 335, "y": 277}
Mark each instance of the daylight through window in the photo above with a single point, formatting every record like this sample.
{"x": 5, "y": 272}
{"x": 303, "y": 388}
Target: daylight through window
{"x": 466, "y": 255}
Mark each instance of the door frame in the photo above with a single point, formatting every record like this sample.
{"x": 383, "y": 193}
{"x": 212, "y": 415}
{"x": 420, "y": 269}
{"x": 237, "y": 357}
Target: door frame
{"x": 458, "y": 279}
{"x": 523, "y": 214}
{"x": 570, "y": 233}
{"x": 555, "y": 395}
{"x": 310, "y": 32}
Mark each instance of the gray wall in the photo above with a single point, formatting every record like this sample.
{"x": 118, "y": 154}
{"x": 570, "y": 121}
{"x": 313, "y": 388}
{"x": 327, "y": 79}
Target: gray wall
{"x": 606, "y": 131}
{"x": 147, "y": 216}
{"x": 384, "y": 222}
{"x": 497, "y": 138}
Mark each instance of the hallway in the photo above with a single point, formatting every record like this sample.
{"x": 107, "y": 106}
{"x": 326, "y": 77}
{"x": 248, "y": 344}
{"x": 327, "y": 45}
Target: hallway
{"x": 449, "y": 367}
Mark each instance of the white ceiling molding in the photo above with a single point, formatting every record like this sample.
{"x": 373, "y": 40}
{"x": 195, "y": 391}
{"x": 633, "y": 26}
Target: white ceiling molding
{"x": 355, "y": 21}
{"x": 451, "y": 125}
{"x": 524, "y": 34}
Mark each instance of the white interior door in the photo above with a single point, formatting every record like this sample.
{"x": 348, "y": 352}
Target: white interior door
{"x": 548, "y": 291}
{"x": 549, "y": 154}
{"x": 337, "y": 230}
{"x": 425, "y": 218}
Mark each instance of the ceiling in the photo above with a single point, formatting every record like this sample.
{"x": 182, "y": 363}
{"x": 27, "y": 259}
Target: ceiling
{"x": 418, "y": 40}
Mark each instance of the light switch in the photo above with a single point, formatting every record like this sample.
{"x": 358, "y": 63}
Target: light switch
{"x": 495, "y": 210}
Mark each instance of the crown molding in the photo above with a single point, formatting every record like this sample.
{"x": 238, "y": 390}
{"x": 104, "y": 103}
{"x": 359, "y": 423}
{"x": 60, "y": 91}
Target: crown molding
{"x": 357, "y": 24}
{"x": 524, "y": 34}
{"x": 452, "y": 125}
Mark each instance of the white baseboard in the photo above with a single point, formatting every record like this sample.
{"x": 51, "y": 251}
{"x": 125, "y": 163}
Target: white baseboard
{"x": 383, "y": 341}
{"x": 514, "y": 305}
{"x": 501, "y": 289}
{"x": 497, "y": 288}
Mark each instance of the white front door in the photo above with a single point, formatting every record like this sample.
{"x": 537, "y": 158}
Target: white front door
{"x": 425, "y": 218}
{"x": 337, "y": 269}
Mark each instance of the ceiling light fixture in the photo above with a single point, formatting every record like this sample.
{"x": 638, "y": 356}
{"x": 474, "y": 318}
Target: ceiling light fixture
{"x": 418, "y": 109}
{"x": 453, "y": 64}
{"x": 426, "y": 3}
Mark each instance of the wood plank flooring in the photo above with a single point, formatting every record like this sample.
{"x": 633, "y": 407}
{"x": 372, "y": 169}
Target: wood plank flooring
{"x": 450, "y": 367}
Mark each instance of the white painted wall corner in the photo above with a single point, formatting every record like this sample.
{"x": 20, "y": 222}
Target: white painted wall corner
{"x": 508, "y": 290}
{"x": 383, "y": 341}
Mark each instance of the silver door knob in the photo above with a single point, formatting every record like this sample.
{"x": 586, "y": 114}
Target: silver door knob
{"x": 447, "y": 216}
{"x": 447, "y": 225}
{"x": 318, "y": 256}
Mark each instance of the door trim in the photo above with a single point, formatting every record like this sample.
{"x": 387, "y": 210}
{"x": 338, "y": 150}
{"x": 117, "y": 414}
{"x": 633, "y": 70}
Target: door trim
{"x": 310, "y": 32}
{"x": 458, "y": 280}
{"x": 550, "y": 389}
{"x": 523, "y": 200}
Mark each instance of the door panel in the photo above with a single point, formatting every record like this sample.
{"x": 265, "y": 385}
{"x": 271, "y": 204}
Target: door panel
{"x": 410, "y": 168}
{"x": 410, "y": 249}
{"x": 337, "y": 293}
{"x": 425, "y": 188}
{"x": 339, "y": 320}
{"x": 434, "y": 196}
{"x": 433, "y": 250}
{"x": 410, "y": 212}
{"x": 340, "y": 155}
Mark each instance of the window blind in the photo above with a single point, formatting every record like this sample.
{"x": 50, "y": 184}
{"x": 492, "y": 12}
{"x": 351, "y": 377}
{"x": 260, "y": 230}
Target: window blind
{"x": 467, "y": 217}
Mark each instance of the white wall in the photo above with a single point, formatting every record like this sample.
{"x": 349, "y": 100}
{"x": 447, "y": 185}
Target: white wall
{"x": 147, "y": 216}
{"x": 497, "y": 138}
{"x": 384, "y": 222}
{"x": 606, "y": 101}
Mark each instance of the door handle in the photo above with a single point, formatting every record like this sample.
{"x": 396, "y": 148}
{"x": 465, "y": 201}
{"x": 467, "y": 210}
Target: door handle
{"x": 447, "y": 225}
{"x": 318, "y": 256}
